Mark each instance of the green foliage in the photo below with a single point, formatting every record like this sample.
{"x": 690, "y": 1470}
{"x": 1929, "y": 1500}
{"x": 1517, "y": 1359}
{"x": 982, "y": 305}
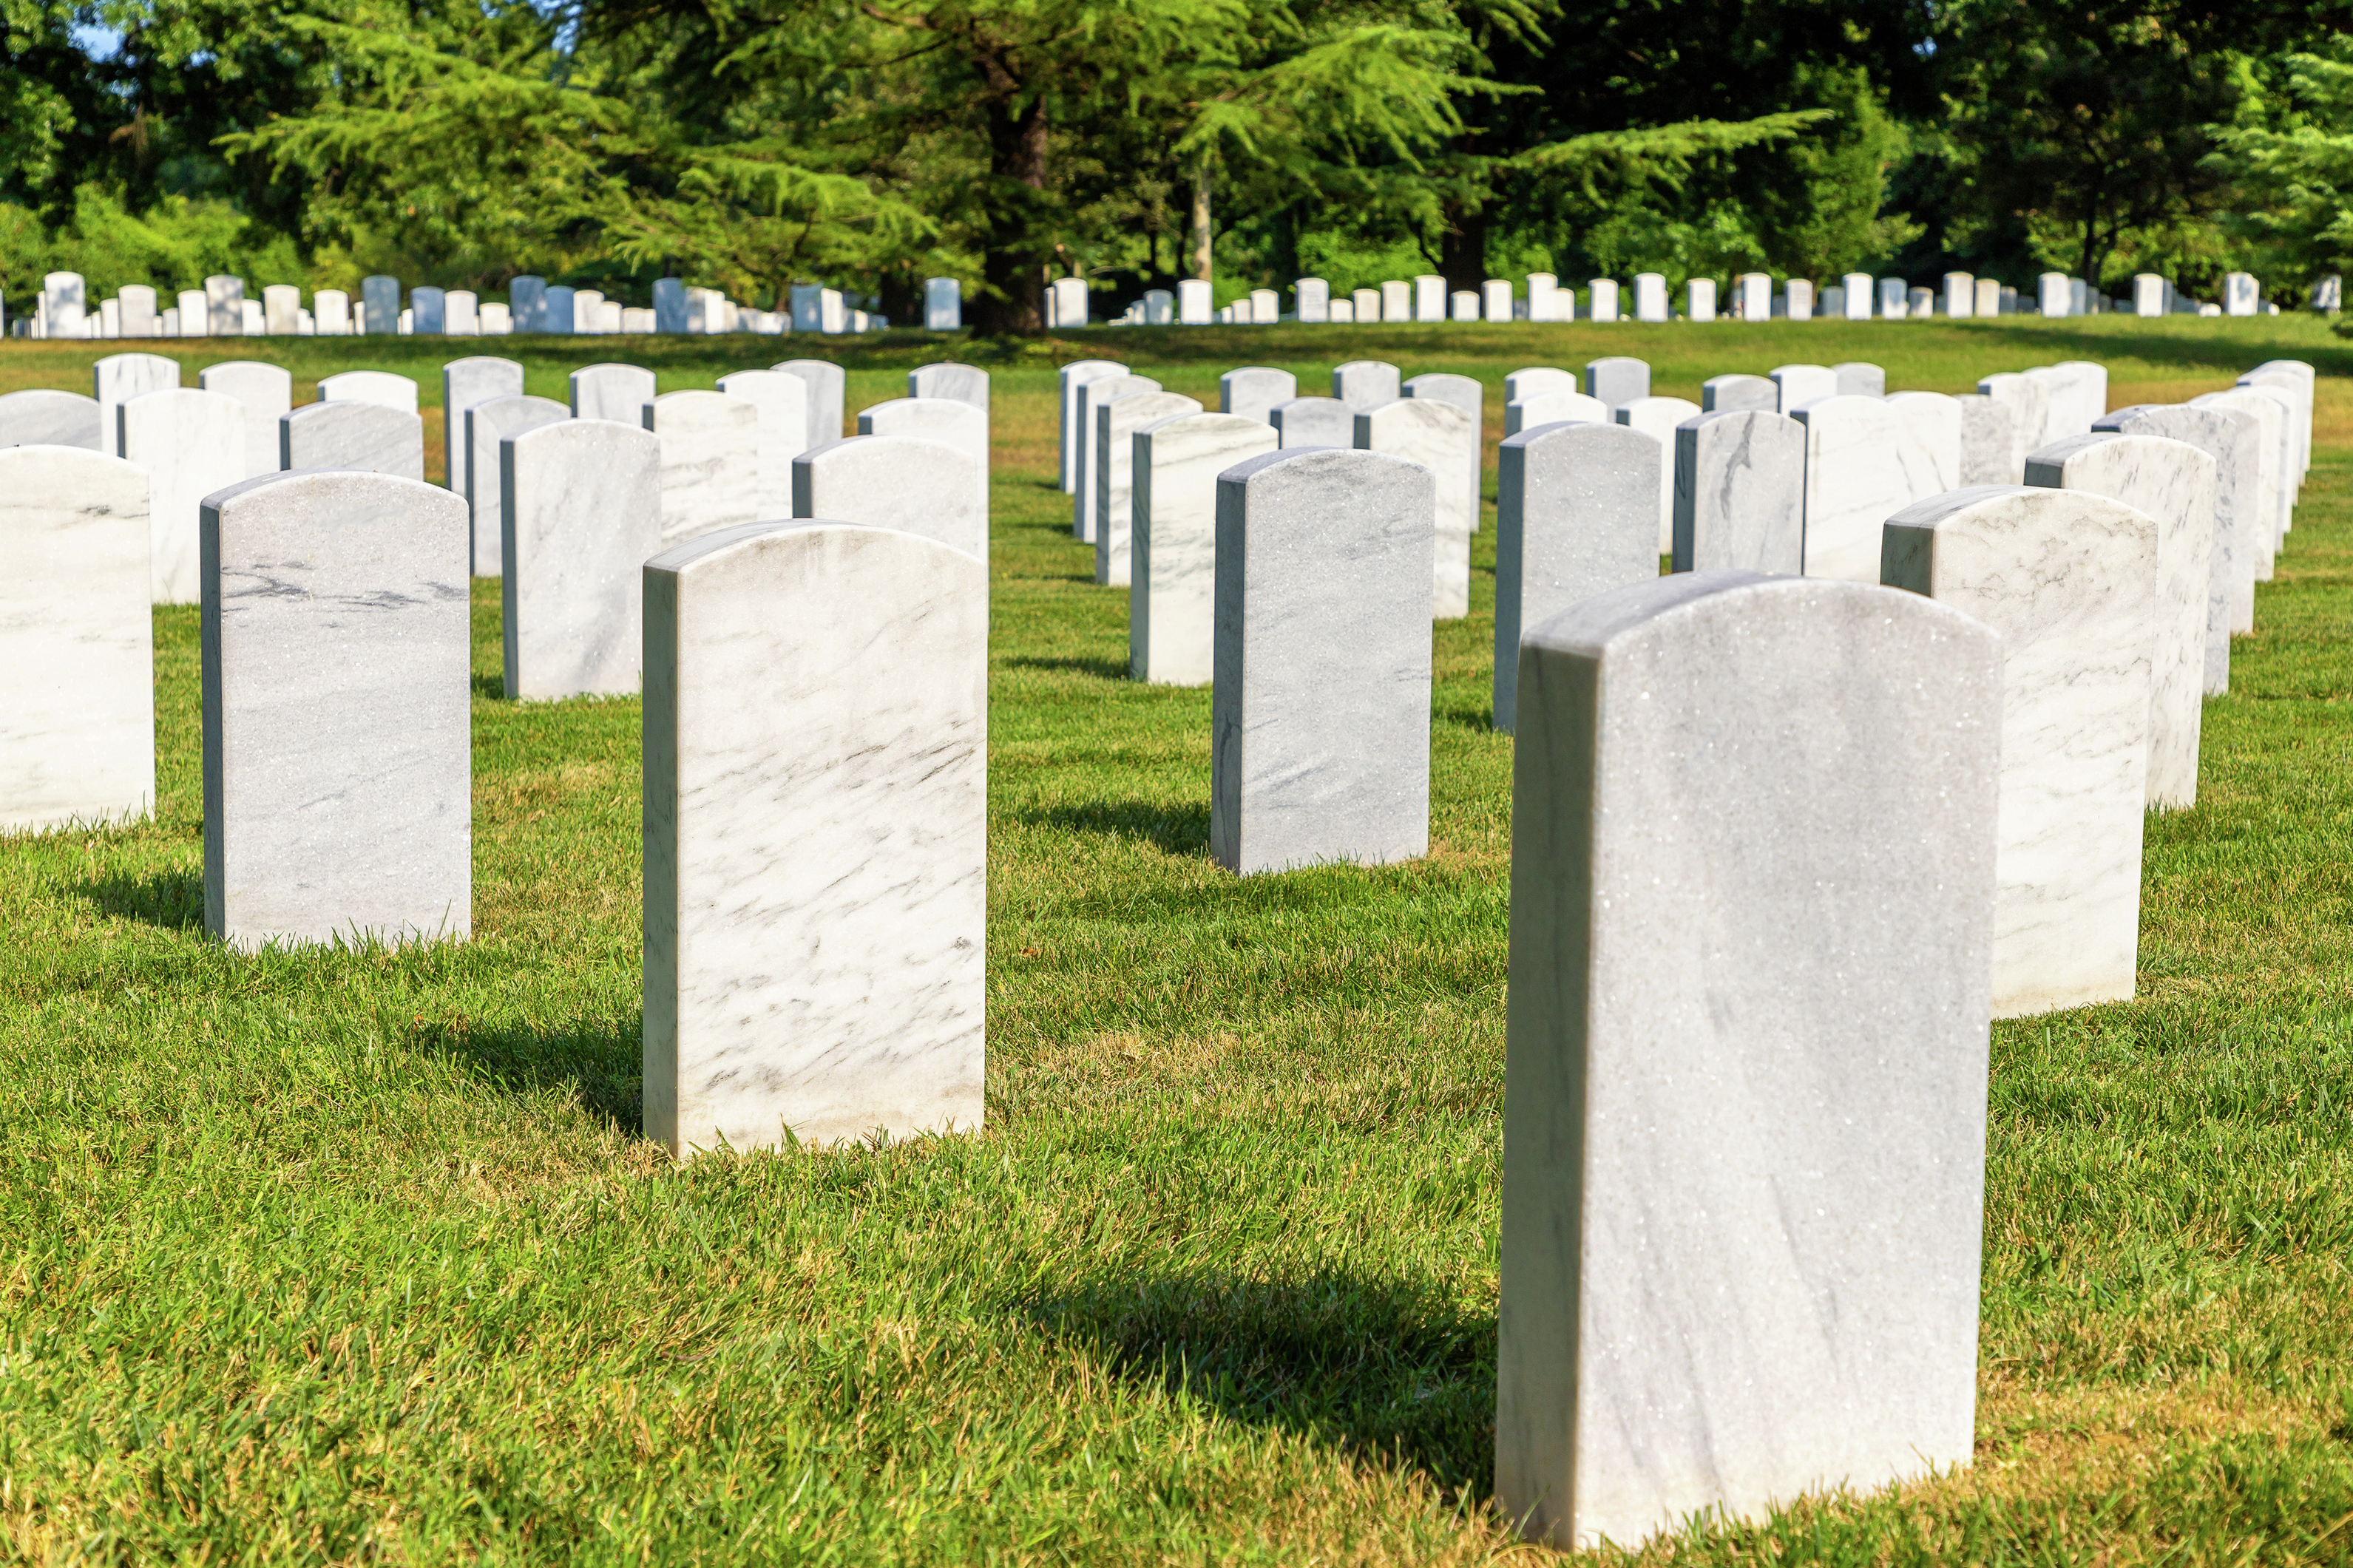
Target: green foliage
{"x": 2291, "y": 152}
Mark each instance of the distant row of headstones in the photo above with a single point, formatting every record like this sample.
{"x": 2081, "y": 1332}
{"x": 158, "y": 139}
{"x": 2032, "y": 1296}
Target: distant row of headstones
{"x": 1753, "y": 297}
{"x": 221, "y": 310}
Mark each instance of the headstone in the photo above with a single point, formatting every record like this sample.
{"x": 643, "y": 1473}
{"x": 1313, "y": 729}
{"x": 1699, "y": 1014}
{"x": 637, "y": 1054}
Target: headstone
{"x": 2240, "y": 295}
{"x": 1495, "y": 299}
{"x": 1801, "y": 297}
{"x": 464, "y": 383}
{"x": 1921, "y": 304}
{"x": 1699, "y": 302}
{"x": 2172, "y": 483}
{"x": 1367, "y": 304}
{"x": 1858, "y": 295}
{"x": 579, "y": 512}
{"x": 267, "y": 392}
{"x": 1363, "y": 383}
{"x": 2284, "y": 466}
{"x": 2064, "y": 578}
{"x": 375, "y": 386}
{"x": 40, "y": 417}
{"x": 669, "y": 304}
{"x": 117, "y": 379}
{"x": 587, "y": 311}
{"x": 894, "y": 481}
{"x": 1713, "y": 1301}
{"x": 1315, "y": 422}
{"x": 225, "y": 307}
{"x": 826, "y": 392}
{"x": 781, "y": 402}
{"x": 1173, "y": 543}
{"x": 2148, "y": 294}
{"x": 1740, "y": 494}
{"x": 194, "y": 313}
{"x": 1265, "y": 307}
{"x": 1159, "y": 308}
{"x": 2328, "y": 292}
{"x": 1470, "y": 395}
{"x": 2261, "y": 537}
{"x": 1092, "y": 395}
{"x": 1834, "y": 302}
{"x": 2229, "y": 439}
{"x": 1113, "y": 469}
{"x": 2028, "y": 402}
{"x": 77, "y": 649}
{"x": 618, "y": 392}
{"x": 816, "y": 863}
{"x": 710, "y": 461}
{"x": 361, "y": 437}
{"x": 1802, "y": 384}
{"x": 1649, "y": 297}
{"x": 1067, "y": 298}
{"x": 1895, "y": 298}
{"x": 1429, "y": 298}
{"x": 282, "y": 309}
{"x": 946, "y": 420}
{"x": 1312, "y": 299}
{"x": 1576, "y": 515}
{"x": 1857, "y": 378}
{"x": 961, "y": 383}
{"x": 1604, "y": 294}
{"x": 461, "y": 314}
{"x": 1543, "y": 288}
{"x": 1726, "y": 394}
{"x": 1657, "y": 418}
{"x": 487, "y": 424}
{"x": 1531, "y": 381}
{"x": 1616, "y": 380}
{"x": 1320, "y": 714}
{"x": 1194, "y": 302}
{"x": 2295, "y": 378}
{"x": 191, "y": 442}
{"x": 1988, "y": 298}
{"x": 1443, "y": 439}
{"x": 1075, "y": 375}
{"x": 2052, "y": 297}
{"x": 139, "y": 317}
{"x": 1961, "y": 296}
{"x": 64, "y": 303}
{"x": 527, "y": 297}
{"x": 1253, "y": 391}
{"x": 1551, "y": 408}
{"x": 561, "y": 308}
{"x": 1857, "y": 477}
{"x": 428, "y": 310}
{"x": 942, "y": 305}
{"x": 1987, "y": 444}
{"x": 1931, "y": 434}
{"x": 1753, "y": 295}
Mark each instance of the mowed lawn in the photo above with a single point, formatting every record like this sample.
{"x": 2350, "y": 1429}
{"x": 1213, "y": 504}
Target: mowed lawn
{"x": 359, "y": 1256}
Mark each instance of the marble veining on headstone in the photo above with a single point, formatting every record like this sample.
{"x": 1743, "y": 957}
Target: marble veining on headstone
{"x": 2229, "y": 439}
{"x": 1172, "y": 545}
{"x": 40, "y": 417}
{"x": 894, "y": 481}
{"x": 1740, "y": 494}
{"x": 366, "y": 436}
{"x": 710, "y": 461}
{"x": 580, "y": 513}
{"x": 116, "y": 379}
{"x": 486, "y": 424}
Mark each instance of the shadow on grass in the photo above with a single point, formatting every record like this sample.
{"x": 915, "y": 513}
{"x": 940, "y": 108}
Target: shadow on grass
{"x": 1393, "y": 1372}
{"x": 1106, "y": 668}
{"x": 600, "y": 1060}
{"x": 1177, "y": 830}
{"x": 492, "y": 686}
{"x": 172, "y": 899}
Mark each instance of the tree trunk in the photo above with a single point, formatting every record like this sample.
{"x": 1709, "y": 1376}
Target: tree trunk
{"x": 1201, "y": 233}
{"x": 1019, "y": 240}
{"x": 1463, "y": 247}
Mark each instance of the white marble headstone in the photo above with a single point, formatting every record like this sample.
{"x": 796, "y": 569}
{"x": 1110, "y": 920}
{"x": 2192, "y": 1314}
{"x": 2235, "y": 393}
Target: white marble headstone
{"x": 365, "y": 436}
{"x": 225, "y": 307}
{"x": 2229, "y": 439}
{"x": 1363, "y": 383}
{"x": 1551, "y": 408}
{"x": 580, "y": 510}
{"x": 1320, "y": 712}
{"x": 1987, "y": 445}
{"x": 1173, "y": 546}
{"x": 486, "y": 424}
{"x": 2173, "y": 483}
{"x": 116, "y": 379}
{"x": 1860, "y": 378}
{"x": 1468, "y": 394}
{"x": 1576, "y": 515}
{"x": 1618, "y": 378}
{"x": 951, "y": 421}
{"x": 1442, "y": 439}
{"x": 40, "y": 417}
{"x": 379, "y": 387}
{"x": 1932, "y": 436}
{"x": 1657, "y": 418}
{"x": 1745, "y": 1052}
{"x": 337, "y": 710}
{"x": 267, "y": 391}
{"x": 815, "y": 862}
{"x": 1862, "y": 469}
{"x": 1530, "y": 380}
{"x": 1313, "y": 422}
{"x": 77, "y": 649}
{"x": 464, "y": 383}
{"x": 782, "y": 401}
{"x": 1075, "y": 375}
{"x": 1802, "y": 384}
{"x": 894, "y": 481}
{"x": 710, "y": 461}
{"x": 1254, "y": 390}
{"x": 2261, "y": 534}
{"x": 1727, "y": 394}
{"x": 960, "y": 382}
{"x": 2066, "y": 579}
{"x": 1086, "y": 397}
{"x": 618, "y": 392}
{"x": 1740, "y": 494}
{"x": 1113, "y": 469}
{"x": 191, "y": 442}
{"x": 826, "y": 385}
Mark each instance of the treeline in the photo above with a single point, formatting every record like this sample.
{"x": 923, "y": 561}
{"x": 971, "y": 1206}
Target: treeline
{"x": 869, "y": 143}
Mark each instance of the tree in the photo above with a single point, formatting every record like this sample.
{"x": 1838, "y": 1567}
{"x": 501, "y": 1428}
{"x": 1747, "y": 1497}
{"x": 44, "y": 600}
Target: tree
{"x": 2290, "y": 151}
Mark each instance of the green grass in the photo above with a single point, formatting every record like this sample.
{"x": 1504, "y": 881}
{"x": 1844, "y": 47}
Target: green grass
{"x": 358, "y": 1255}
